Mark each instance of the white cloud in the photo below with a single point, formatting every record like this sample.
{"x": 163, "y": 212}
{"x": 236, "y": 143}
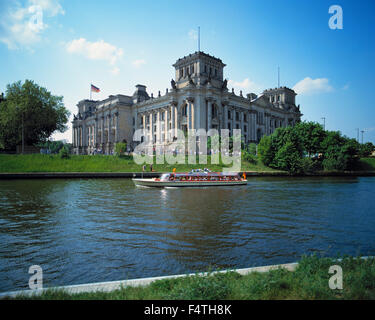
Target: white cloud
{"x": 310, "y": 86}
{"x": 23, "y": 25}
{"x": 98, "y": 50}
{"x": 246, "y": 84}
{"x": 50, "y": 7}
{"x": 138, "y": 63}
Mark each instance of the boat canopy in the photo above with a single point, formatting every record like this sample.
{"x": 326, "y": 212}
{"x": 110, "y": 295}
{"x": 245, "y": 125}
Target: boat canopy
{"x": 205, "y": 174}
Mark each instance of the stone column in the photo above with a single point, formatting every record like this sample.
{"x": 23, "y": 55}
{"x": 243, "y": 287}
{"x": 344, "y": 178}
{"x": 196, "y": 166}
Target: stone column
{"x": 136, "y": 119}
{"x": 175, "y": 114}
{"x": 77, "y": 137}
{"x": 80, "y": 136}
{"x": 242, "y": 124}
{"x": 74, "y": 136}
{"x": 96, "y": 132}
{"x": 225, "y": 126}
{"x": 151, "y": 131}
{"x": 117, "y": 127}
{"x": 144, "y": 125}
{"x": 109, "y": 129}
{"x": 254, "y": 125}
{"x": 166, "y": 125}
{"x": 102, "y": 135}
{"x": 83, "y": 134}
{"x": 158, "y": 134}
{"x": 209, "y": 114}
{"x": 172, "y": 121}
{"x": 197, "y": 113}
{"x": 233, "y": 119}
{"x": 192, "y": 113}
{"x": 188, "y": 115}
{"x": 89, "y": 136}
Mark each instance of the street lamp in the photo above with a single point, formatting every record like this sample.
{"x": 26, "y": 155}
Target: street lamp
{"x": 362, "y": 131}
{"x": 324, "y": 123}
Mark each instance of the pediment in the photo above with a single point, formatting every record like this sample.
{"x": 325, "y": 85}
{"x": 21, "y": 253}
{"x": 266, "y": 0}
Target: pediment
{"x": 262, "y": 101}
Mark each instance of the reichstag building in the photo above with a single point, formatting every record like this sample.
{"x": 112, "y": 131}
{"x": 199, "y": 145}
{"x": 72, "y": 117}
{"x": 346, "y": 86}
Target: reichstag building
{"x": 198, "y": 98}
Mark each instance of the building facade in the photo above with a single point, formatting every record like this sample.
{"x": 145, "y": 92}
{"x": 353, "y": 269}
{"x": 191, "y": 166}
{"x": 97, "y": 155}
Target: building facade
{"x": 198, "y": 99}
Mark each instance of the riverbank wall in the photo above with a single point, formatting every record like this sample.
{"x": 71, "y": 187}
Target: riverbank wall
{"x": 84, "y": 175}
{"x": 117, "y": 285}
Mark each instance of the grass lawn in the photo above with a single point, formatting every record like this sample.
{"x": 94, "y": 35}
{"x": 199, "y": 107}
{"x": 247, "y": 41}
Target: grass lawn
{"x": 309, "y": 281}
{"x": 100, "y": 163}
{"x": 366, "y": 164}
{"x": 103, "y": 163}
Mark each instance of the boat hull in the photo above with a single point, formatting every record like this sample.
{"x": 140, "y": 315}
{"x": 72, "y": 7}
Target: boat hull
{"x": 163, "y": 184}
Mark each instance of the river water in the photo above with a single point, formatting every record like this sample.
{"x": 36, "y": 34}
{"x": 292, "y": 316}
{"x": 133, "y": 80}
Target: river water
{"x": 91, "y": 230}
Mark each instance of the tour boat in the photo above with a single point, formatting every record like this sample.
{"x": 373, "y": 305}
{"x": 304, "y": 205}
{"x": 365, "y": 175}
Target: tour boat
{"x": 194, "y": 178}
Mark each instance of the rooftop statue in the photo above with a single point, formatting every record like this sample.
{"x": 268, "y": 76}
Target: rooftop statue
{"x": 173, "y": 84}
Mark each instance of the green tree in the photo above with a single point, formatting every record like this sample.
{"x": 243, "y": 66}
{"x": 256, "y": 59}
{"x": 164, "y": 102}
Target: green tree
{"x": 339, "y": 153}
{"x": 289, "y": 158}
{"x": 311, "y": 135}
{"x": 265, "y": 150}
{"x": 35, "y": 109}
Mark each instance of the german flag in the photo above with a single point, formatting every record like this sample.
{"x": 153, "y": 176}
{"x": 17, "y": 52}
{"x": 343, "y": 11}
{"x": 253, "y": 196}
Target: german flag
{"x": 94, "y": 89}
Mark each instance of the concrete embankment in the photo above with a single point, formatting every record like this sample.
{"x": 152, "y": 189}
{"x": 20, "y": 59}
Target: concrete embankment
{"x": 81, "y": 175}
{"x": 116, "y": 285}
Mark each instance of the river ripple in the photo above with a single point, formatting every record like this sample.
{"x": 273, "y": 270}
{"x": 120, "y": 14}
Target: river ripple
{"x": 90, "y": 230}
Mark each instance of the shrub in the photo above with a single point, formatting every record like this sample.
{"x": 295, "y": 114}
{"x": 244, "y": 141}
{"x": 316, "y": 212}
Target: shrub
{"x": 252, "y": 149}
{"x": 64, "y": 152}
{"x": 365, "y": 150}
{"x": 120, "y": 148}
{"x": 308, "y": 165}
{"x": 249, "y": 157}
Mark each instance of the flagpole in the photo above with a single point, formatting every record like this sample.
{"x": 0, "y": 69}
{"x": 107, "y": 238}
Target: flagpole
{"x": 90, "y": 91}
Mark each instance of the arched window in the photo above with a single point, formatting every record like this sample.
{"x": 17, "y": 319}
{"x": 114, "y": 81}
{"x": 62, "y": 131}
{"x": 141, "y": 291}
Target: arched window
{"x": 184, "y": 110}
{"x": 213, "y": 111}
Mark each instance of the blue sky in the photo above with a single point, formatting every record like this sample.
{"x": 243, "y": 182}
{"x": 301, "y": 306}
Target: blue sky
{"x": 65, "y": 45}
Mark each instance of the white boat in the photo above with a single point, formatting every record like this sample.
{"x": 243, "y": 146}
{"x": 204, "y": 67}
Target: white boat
{"x": 195, "y": 178}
